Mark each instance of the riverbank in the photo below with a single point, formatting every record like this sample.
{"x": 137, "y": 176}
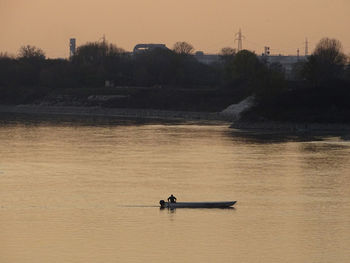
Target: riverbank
{"x": 210, "y": 117}
{"x": 290, "y": 126}
{"x": 197, "y": 117}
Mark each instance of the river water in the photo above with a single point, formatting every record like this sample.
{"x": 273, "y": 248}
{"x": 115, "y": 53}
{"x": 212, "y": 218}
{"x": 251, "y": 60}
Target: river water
{"x": 74, "y": 191}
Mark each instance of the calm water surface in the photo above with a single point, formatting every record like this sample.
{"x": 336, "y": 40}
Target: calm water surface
{"x": 89, "y": 193}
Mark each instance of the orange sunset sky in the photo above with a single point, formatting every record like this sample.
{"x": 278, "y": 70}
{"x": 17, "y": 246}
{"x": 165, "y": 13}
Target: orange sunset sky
{"x": 207, "y": 24}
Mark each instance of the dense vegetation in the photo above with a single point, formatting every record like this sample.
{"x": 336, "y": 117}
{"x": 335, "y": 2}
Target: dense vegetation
{"x": 174, "y": 79}
{"x": 319, "y": 93}
{"x": 157, "y": 78}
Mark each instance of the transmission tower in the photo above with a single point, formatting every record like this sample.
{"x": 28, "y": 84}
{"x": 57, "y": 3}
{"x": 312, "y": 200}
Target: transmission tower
{"x": 306, "y": 47}
{"x": 239, "y": 38}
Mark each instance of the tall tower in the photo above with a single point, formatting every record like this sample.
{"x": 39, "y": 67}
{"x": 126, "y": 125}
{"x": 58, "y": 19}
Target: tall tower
{"x": 72, "y": 47}
{"x": 239, "y": 39}
{"x": 306, "y": 47}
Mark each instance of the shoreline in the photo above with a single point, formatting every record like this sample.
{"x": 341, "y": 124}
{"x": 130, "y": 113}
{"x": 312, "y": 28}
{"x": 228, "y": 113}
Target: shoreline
{"x": 180, "y": 116}
{"x": 206, "y": 117}
{"x": 293, "y": 127}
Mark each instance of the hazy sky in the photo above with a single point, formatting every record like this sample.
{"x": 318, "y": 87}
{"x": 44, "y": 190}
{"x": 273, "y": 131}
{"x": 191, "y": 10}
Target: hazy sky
{"x": 208, "y": 24}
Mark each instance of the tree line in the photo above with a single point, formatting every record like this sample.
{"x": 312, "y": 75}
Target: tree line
{"x": 30, "y": 72}
{"x": 30, "y": 76}
{"x": 319, "y": 92}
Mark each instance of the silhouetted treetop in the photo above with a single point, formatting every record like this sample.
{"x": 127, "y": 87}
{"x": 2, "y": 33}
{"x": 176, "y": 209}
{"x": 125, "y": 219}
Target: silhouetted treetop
{"x": 330, "y": 51}
{"x": 183, "y": 48}
{"x": 246, "y": 65}
{"x": 227, "y": 51}
{"x": 31, "y": 52}
{"x": 95, "y": 52}
{"x": 227, "y": 54}
{"x": 326, "y": 63}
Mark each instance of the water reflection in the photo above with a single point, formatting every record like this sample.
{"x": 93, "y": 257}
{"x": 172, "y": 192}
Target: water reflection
{"x": 71, "y": 120}
{"x": 267, "y": 137}
{"x": 87, "y": 192}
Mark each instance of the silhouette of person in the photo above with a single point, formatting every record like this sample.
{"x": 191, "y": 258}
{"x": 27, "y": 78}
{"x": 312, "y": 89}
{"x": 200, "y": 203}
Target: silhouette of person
{"x": 172, "y": 199}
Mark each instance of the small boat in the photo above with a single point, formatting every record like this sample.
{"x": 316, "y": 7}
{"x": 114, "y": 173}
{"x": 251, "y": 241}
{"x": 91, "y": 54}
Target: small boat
{"x": 222, "y": 204}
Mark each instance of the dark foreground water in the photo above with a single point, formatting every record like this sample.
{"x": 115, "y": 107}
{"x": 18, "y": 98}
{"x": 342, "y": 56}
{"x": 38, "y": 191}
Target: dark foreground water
{"x": 77, "y": 192}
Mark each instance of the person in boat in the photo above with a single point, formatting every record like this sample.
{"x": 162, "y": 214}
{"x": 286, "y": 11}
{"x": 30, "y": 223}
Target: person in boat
{"x": 172, "y": 199}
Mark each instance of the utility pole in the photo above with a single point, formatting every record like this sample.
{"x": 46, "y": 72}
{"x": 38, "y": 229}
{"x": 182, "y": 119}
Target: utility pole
{"x": 239, "y": 39}
{"x": 298, "y": 53}
{"x": 267, "y": 51}
{"x": 103, "y": 38}
{"x": 306, "y": 47}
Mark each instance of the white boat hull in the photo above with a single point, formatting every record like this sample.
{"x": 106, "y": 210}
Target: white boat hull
{"x": 222, "y": 204}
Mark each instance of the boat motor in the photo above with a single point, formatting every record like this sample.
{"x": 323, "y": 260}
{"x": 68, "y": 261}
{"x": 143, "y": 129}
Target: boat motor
{"x": 162, "y": 203}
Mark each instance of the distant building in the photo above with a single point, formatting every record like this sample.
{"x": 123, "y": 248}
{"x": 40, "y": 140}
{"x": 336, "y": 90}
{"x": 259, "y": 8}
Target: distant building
{"x": 146, "y": 47}
{"x": 72, "y": 47}
{"x": 287, "y": 62}
{"x": 206, "y": 58}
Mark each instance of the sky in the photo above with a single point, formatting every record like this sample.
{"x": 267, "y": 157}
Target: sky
{"x": 208, "y": 25}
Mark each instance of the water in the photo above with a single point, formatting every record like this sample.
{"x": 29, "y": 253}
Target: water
{"x": 76, "y": 192}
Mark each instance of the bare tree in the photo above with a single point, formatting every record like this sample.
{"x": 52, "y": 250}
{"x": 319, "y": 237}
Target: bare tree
{"x": 326, "y": 63}
{"x": 114, "y": 50}
{"x": 97, "y": 52}
{"x": 183, "y": 48}
{"x": 227, "y": 51}
{"x": 31, "y": 52}
{"x": 330, "y": 51}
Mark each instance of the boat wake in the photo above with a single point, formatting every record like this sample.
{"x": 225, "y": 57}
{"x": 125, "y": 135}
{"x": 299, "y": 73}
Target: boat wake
{"x": 138, "y": 206}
